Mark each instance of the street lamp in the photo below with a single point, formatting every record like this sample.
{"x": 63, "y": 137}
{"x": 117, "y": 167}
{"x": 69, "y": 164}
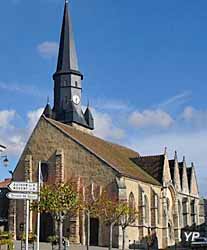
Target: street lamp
{"x": 4, "y": 157}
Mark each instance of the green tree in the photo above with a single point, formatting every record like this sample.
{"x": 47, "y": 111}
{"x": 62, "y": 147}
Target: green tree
{"x": 110, "y": 210}
{"x": 58, "y": 200}
{"x": 128, "y": 217}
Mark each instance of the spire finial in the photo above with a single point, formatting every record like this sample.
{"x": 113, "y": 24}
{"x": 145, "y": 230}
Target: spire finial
{"x": 183, "y": 158}
{"x": 176, "y": 155}
{"x": 165, "y": 151}
{"x": 48, "y": 99}
{"x": 66, "y": 1}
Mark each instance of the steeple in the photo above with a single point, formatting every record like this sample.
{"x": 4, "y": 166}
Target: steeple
{"x": 67, "y": 57}
{"x": 68, "y": 79}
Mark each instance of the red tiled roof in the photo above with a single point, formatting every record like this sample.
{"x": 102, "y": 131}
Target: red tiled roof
{"x": 5, "y": 183}
{"x": 121, "y": 159}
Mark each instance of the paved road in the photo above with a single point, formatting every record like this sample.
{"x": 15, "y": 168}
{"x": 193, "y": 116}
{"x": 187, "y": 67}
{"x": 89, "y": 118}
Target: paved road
{"x": 47, "y": 246}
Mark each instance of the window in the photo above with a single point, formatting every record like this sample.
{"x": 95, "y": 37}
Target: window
{"x": 76, "y": 84}
{"x": 132, "y": 205}
{"x": 146, "y": 209}
{"x": 44, "y": 172}
{"x": 192, "y": 208}
{"x": 179, "y": 213}
{"x": 185, "y": 212}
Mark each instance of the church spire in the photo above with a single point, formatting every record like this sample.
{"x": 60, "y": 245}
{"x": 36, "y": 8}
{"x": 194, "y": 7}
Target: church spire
{"x": 68, "y": 80}
{"x": 67, "y": 57}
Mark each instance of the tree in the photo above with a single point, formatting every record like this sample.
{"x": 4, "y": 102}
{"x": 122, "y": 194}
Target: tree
{"x": 110, "y": 211}
{"x": 58, "y": 200}
{"x": 128, "y": 217}
{"x": 89, "y": 206}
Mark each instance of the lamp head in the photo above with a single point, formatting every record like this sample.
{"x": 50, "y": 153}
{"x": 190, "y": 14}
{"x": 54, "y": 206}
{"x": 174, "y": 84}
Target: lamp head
{"x": 6, "y": 162}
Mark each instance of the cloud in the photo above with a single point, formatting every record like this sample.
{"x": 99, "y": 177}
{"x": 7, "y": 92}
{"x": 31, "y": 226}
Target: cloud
{"x": 151, "y": 118}
{"x": 13, "y": 137}
{"x": 178, "y": 99}
{"x": 5, "y": 117}
{"x": 48, "y": 49}
{"x": 196, "y": 118}
{"x": 22, "y": 88}
{"x": 33, "y": 117}
{"x": 111, "y": 105}
{"x": 105, "y": 128}
{"x": 190, "y": 144}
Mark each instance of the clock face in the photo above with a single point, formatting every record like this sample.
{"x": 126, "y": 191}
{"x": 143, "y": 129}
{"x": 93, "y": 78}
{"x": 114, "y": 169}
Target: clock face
{"x": 76, "y": 99}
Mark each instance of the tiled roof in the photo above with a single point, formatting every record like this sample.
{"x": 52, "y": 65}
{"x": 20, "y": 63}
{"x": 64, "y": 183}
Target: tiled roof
{"x": 172, "y": 167}
{"x": 5, "y": 183}
{"x": 121, "y": 159}
{"x": 189, "y": 175}
{"x": 181, "y": 173}
{"x": 153, "y": 165}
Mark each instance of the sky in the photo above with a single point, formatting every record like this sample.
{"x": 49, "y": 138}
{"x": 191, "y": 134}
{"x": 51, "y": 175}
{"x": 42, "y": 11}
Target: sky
{"x": 144, "y": 66}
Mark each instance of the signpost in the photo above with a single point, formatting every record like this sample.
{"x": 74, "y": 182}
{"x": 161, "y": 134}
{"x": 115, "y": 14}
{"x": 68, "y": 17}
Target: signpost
{"x": 22, "y": 196}
{"x": 23, "y": 186}
{"x": 24, "y": 191}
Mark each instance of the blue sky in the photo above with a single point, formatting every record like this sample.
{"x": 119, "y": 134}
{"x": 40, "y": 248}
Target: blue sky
{"x": 144, "y": 64}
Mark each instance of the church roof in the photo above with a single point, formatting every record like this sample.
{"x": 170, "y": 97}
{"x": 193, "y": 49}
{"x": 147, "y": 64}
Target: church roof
{"x": 121, "y": 159}
{"x": 172, "y": 168}
{"x": 189, "y": 175}
{"x": 5, "y": 183}
{"x": 67, "y": 57}
{"x": 153, "y": 165}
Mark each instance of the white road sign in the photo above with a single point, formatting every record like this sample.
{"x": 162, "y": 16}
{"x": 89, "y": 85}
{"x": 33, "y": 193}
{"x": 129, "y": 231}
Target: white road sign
{"x": 23, "y": 186}
{"x": 22, "y": 196}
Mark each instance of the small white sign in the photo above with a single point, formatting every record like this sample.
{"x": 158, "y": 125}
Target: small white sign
{"x": 22, "y": 196}
{"x": 23, "y": 186}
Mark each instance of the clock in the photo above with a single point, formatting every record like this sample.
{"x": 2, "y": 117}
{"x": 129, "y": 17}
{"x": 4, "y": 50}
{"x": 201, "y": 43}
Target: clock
{"x": 76, "y": 99}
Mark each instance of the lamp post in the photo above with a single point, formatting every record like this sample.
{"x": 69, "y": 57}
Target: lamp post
{"x": 4, "y": 157}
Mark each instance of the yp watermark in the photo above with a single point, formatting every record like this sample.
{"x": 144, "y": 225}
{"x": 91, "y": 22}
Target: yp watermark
{"x": 191, "y": 236}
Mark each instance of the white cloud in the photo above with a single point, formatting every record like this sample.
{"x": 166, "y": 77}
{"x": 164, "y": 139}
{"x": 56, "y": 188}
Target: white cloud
{"x": 190, "y": 144}
{"x": 111, "y": 105}
{"x": 196, "y": 118}
{"x": 33, "y": 117}
{"x": 48, "y": 49}
{"x": 11, "y": 136}
{"x": 175, "y": 100}
{"x": 105, "y": 128}
{"x": 5, "y": 117}
{"x": 188, "y": 113}
{"x": 151, "y": 118}
{"x": 22, "y": 88}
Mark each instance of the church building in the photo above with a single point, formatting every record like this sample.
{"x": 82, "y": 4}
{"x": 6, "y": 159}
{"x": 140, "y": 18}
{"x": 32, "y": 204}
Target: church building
{"x": 165, "y": 191}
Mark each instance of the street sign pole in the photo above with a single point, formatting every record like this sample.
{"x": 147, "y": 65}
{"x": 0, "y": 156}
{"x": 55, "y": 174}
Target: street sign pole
{"x": 38, "y": 212}
{"x": 27, "y": 226}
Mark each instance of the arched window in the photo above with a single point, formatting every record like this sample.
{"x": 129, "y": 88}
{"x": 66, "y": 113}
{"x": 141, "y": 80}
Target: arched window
{"x": 146, "y": 209}
{"x": 131, "y": 201}
{"x": 132, "y": 206}
{"x": 179, "y": 213}
{"x": 157, "y": 206}
{"x": 192, "y": 210}
{"x": 185, "y": 212}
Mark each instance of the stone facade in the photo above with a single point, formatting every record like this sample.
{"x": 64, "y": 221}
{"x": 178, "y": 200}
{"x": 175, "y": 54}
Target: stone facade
{"x": 165, "y": 208}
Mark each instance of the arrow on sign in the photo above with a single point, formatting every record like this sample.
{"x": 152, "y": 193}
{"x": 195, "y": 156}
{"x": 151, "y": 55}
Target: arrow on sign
{"x": 22, "y": 196}
{"x": 23, "y": 186}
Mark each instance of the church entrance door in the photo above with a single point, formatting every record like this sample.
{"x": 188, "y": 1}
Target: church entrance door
{"x": 94, "y": 231}
{"x": 46, "y": 227}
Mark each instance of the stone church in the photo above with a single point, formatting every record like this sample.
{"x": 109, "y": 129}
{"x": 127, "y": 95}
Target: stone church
{"x": 165, "y": 191}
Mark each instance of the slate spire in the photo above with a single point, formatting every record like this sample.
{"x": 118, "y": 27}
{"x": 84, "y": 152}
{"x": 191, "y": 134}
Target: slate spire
{"x": 67, "y": 57}
{"x": 68, "y": 80}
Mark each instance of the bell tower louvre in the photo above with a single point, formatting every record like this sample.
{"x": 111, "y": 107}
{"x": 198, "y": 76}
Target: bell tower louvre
{"x": 68, "y": 82}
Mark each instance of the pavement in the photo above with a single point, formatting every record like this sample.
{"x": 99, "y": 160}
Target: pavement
{"x": 48, "y": 246}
